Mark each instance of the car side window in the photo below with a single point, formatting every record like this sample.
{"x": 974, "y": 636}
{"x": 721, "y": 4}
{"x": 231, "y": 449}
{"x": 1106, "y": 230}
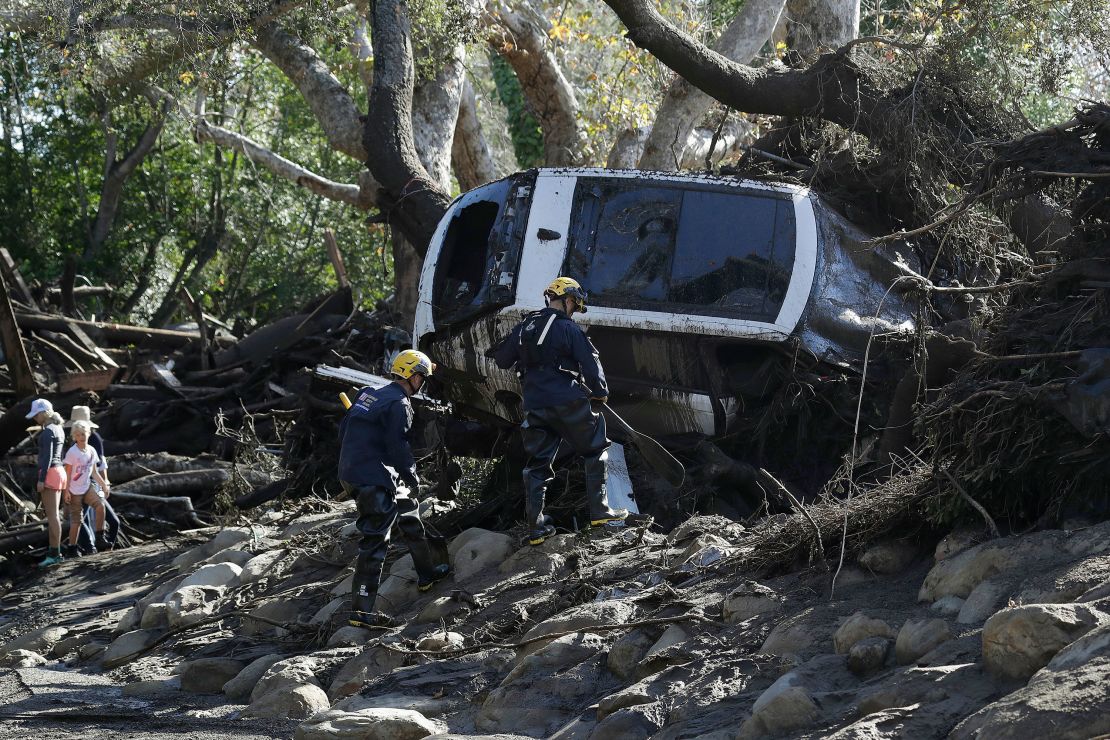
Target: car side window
{"x": 676, "y": 248}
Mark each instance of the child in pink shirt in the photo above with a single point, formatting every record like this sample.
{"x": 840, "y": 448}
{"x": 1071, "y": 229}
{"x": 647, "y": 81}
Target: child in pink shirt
{"x": 81, "y": 464}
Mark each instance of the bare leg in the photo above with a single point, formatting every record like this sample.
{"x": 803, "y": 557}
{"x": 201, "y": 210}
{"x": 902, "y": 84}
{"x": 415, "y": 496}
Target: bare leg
{"x": 50, "y": 501}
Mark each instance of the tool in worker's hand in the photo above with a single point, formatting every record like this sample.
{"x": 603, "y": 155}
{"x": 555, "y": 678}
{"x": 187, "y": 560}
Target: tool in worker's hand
{"x": 654, "y": 454}
{"x": 346, "y": 401}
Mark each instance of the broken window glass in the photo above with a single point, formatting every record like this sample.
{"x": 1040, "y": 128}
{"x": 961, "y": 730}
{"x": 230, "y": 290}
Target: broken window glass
{"x": 682, "y": 249}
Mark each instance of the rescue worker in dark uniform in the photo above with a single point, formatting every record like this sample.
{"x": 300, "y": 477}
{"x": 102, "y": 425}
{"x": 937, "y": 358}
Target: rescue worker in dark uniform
{"x": 559, "y": 374}
{"x": 376, "y": 466}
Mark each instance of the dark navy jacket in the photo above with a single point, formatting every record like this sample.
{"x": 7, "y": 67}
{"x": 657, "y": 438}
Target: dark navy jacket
{"x": 556, "y": 361}
{"x": 373, "y": 437}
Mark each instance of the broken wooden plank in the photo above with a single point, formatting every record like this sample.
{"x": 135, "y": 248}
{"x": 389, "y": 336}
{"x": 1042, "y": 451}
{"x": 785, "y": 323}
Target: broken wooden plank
{"x": 13, "y": 277}
{"x": 160, "y": 374}
{"x": 198, "y": 315}
{"x": 139, "y": 335}
{"x": 83, "y": 339}
{"x": 92, "y": 380}
{"x": 18, "y": 364}
{"x": 336, "y": 259}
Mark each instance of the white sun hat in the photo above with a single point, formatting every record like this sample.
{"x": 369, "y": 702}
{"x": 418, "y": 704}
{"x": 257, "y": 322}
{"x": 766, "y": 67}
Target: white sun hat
{"x": 81, "y": 413}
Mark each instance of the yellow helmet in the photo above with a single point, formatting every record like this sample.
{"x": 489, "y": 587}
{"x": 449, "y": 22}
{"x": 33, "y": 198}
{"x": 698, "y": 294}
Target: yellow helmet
{"x": 410, "y": 362}
{"x": 565, "y": 286}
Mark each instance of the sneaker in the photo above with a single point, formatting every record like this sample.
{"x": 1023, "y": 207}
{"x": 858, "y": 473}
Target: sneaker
{"x": 102, "y": 544}
{"x": 371, "y": 620}
{"x": 537, "y": 536}
{"x": 438, "y": 574}
{"x": 615, "y": 518}
{"x": 71, "y": 551}
{"x": 51, "y": 559}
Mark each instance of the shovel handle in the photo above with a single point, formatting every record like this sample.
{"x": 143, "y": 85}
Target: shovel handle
{"x": 344, "y": 400}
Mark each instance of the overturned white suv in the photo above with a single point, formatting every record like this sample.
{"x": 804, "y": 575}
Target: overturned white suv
{"x": 698, "y": 286}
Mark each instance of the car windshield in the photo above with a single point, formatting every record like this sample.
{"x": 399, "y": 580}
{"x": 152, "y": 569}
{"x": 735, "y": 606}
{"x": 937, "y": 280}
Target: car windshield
{"x": 662, "y": 247}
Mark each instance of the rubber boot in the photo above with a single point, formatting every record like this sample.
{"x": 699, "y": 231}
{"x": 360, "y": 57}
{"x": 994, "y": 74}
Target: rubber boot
{"x": 597, "y": 476}
{"x": 428, "y": 571}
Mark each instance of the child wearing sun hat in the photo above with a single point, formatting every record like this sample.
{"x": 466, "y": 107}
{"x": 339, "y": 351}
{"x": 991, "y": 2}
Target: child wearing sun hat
{"x": 81, "y": 468}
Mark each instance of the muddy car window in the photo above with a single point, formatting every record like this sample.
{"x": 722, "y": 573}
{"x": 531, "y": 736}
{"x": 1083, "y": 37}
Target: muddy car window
{"x": 681, "y": 250}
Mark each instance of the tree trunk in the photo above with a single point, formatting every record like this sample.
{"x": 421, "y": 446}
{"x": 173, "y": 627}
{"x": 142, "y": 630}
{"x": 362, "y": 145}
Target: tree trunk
{"x": 684, "y": 105}
{"x": 388, "y": 134}
{"x": 470, "y": 154}
{"x": 522, "y": 39}
{"x": 817, "y": 26}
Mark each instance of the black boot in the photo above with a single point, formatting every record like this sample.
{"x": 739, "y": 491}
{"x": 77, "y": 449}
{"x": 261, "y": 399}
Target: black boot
{"x": 70, "y": 551}
{"x": 102, "y": 544}
{"x": 429, "y": 572}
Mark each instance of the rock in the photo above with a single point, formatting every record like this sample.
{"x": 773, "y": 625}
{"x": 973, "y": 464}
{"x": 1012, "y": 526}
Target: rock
{"x": 868, "y": 655}
{"x": 124, "y": 647}
{"x": 858, "y": 627}
{"x": 707, "y": 523}
{"x": 289, "y": 702}
{"x": 949, "y": 606}
{"x": 627, "y": 653}
{"x": 919, "y": 636}
{"x": 190, "y": 604}
{"x": 1094, "y": 644}
{"x": 673, "y": 635}
{"x": 131, "y": 619}
{"x": 91, "y": 649}
{"x": 475, "y": 549}
{"x": 67, "y": 645}
{"x": 627, "y": 724}
{"x": 426, "y": 705}
{"x": 310, "y": 522}
{"x": 956, "y": 542}
{"x": 295, "y": 671}
{"x": 634, "y": 695}
{"x": 151, "y": 687}
{"x": 545, "y": 560}
{"x": 1101, "y": 591}
{"x": 372, "y": 662}
{"x": 439, "y": 609}
{"x": 349, "y": 635}
{"x": 785, "y": 707}
{"x": 224, "y": 539}
{"x": 274, "y": 610}
{"x": 581, "y": 617}
{"x": 36, "y": 641}
{"x": 344, "y": 587}
{"x": 216, "y": 574}
{"x": 231, "y": 555}
{"x": 889, "y": 557}
{"x": 260, "y": 565}
{"x": 748, "y": 600}
{"x": 440, "y": 641}
{"x": 1066, "y": 704}
{"x": 367, "y": 724}
{"x": 565, "y": 673}
{"x": 983, "y": 601}
{"x": 1020, "y": 640}
{"x": 238, "y": 688}
{"x": 327, "y": 611}
{"x": 20, "y": 658}
{"x": 398, "y": 588}
{"x": 703, "y": 542}
{"x": 795, "y": 635}
{"x": 155, "y": 617}
{"x": 208, "y": 675}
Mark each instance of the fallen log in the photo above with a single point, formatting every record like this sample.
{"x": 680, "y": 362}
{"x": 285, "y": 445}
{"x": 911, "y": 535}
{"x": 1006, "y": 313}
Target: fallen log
{"x": 188, "y": 481}
{"x": 11, "y": 541}
{"x": 177, "y": 509}
{"x": 141, "y": 335}
{"x": 131, "y": 467}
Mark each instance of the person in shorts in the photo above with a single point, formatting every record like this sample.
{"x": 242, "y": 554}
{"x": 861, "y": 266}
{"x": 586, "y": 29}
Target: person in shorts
{"x": 81, "y": 462}
{"x": 51, "y": 474}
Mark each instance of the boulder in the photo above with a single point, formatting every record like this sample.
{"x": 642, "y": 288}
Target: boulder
{"x": 858, "y": 627}
{"x": 577, "y": 618}
{"x": 325, "y": 614}
{"x": 238, "y": 688}
{"x": 627, "y": 653}
{"x": 215, "y": 574}
{"x": 260, "y": 565}
{"x": 1066, "y": 704}
{"x": 156, "y": 616}
{"x": 91, "y": 649}
{"x": 949, "y": 606}
{"x": 440, "y": 641}
{"x": 20, "y": 658}
{"x": 367, "y": 724}
{"x": 785, "y": 707}
{"x": 796, "y": 635}
{"x": 438, "y": 609}
{"x": 673, "y": 635}
{"x": 918, "y": 637}
{"x": 67, "y": 645}
{"x": 889, "y": 557}
{"x": 349, "y": 636}
{"x": 130, "y": 620}
{"x": 294, "y": 701}
{"x": 868, "y": 655}
{"x": 956, "y": 542}
{"x": 294, "y": 671}
{"x": 475, "y": 549}
{"x": 36, "y": 641}
{"x": 398, "y": 588}
{"x": 958, "y": 575}
{"x": 124, "y": 647}
{"x": 429, "y": 706}
{"x": 151, "y": 687}
{"x": 627, "y": 724}
{"x": 190, "y": 604}
{"x": 983, "y": 601}
{"x": 545, "y": 560}
{"x": 224, "y": 539}
{"x": 1020, "y": 640}
{"x": 231, "y": 555}
{"x": 273, "y": 610}
{"x": 208, "y": 675}
{"x": 750, "y": 599}
{"x": 372, "y": 662}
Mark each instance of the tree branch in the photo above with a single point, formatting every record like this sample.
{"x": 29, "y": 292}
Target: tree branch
{"x": 470, "y": 153}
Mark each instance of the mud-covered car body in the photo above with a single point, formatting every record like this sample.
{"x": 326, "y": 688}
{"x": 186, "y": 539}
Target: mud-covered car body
{"x": 697, "y": 285}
